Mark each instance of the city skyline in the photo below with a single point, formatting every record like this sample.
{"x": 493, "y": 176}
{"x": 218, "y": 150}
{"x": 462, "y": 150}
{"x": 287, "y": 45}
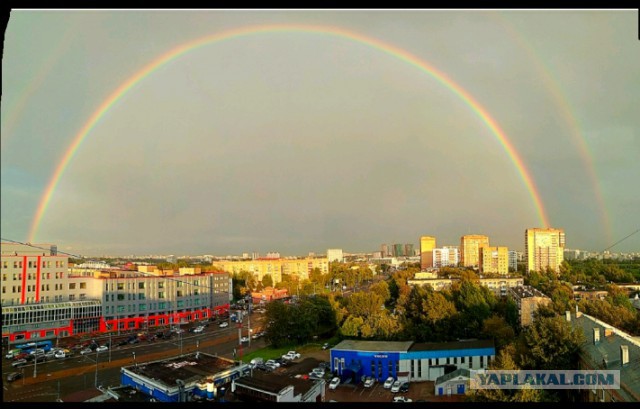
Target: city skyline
{"x": 226, "y": 131}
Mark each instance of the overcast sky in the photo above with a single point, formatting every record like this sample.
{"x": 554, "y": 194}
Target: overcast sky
{"x": 298, "y": 141}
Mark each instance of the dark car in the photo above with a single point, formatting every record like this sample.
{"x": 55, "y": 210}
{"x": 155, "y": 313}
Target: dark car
{"x": 122, "y": 343}
{"x": 13, "y": 376}
{"x": 404, "y": 387}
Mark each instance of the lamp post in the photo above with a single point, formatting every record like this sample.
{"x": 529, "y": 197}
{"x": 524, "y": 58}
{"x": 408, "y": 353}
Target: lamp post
{"x": 96, "y": 378}
{"x": 35, "y": 363}
{"x": 110, "y": 344}
{"x": 134, "y": 359}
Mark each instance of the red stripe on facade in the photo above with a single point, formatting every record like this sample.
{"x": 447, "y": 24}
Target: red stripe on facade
{"x": 38, "y": 280}
{"x": 24, "y": 279}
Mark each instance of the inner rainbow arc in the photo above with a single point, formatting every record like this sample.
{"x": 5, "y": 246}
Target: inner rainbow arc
{"x": 327, "y": 30}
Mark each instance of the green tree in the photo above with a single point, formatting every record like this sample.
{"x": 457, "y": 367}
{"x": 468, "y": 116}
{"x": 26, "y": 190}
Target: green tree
{"x": 267, "y": 280}
{"x": 552, "y": 342}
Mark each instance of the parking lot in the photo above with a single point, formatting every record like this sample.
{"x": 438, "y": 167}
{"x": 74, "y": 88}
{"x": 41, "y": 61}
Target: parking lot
{"x": 418, "y": 391}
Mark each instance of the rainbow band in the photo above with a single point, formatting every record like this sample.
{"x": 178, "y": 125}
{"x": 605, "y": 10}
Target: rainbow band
{"x": 338, "y": 32}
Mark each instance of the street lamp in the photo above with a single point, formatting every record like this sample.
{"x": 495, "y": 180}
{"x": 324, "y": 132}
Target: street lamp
{"x": 134, "y": 359}
{"x": 96, "y": 380}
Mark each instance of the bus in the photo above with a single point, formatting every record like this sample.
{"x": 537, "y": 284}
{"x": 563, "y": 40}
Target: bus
{"x": 30, "y": 346}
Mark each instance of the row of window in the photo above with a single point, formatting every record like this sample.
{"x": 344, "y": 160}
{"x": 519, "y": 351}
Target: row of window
{"x": 33, "y": 276}
{"x": 43, "y": 287}
{"x": 34, "y": 264}
{"x": 38, "y": 316}
{"x": 161, "y": 306}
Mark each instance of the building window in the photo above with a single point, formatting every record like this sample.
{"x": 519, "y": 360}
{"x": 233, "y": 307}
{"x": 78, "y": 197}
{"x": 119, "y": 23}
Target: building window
{"x": 481, "y": 361}
{"x": 141, "y": 286}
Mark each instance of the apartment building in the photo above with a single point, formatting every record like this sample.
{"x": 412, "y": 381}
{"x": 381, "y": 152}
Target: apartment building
{"x": 427, "y": 244}
{"x": 262, "y": 267}
{"x": 528, "y": 300}
{"x": 470, "y": 247}
{"x": 494, "y": 260}
{"x": 544, "y": 248}
{"x": 43, "y": 298}
{"x": 447, "y": 256}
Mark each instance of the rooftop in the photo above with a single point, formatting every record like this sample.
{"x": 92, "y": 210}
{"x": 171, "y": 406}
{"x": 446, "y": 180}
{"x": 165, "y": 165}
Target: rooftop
{"x": 526, "y": 291}
{"x": 463, "y": 344}
{"x": 274, "y": 383}
{"x": 605, "y": 354}
{"x": 188, "y": 368}
{"x": 373, "y": 346}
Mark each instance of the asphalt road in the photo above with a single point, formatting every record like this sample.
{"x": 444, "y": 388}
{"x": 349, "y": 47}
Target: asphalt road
{"x": 57, "y": 378}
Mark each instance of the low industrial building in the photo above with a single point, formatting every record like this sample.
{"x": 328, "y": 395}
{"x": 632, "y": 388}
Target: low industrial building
{"x": 272, "y": 387}
{"x": 352, "y": 359}
{"x": 454, "y": 383}
{"x": 183, "y": 378}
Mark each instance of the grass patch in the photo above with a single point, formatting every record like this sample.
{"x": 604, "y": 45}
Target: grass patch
{"x": 274, "y": 353}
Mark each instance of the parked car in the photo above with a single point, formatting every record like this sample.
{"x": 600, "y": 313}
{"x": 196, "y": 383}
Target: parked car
{"x": 86, "y": 351}
{"x": 325, "y": 365}
{"x": 198, "y": 330}
{"x": 255, "y": 336}
{"x": 62, "y": 354}
{"x": 401, "y": 399}
{"x": 369, "y": 382}
{"x": 325, "y": 345}
{"x": 387, "y": 384}
{"x": 317, "y": 372}
{"x": 102, "y": 348}
{"x": 395, "y": 387}
{"x": 244, "y": 339}
{"x": 264, "y": 367}
{"x": 19, "y": 362}
{"x": 404, "y": 387}
{"x": 13, "y": 376}
{"x": 21, "y": 355}
{"x": 273, "y": 363}
{"x": 291, "y": 355}
{"x": 257, "y": 360}
{"x": 224, "y": 324}
{"x": 334, "y": 383}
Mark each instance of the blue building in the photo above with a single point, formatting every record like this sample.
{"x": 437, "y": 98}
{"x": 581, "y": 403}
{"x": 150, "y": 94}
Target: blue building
{"x": 352, "y": 359}
{"x": 183, "y": 378}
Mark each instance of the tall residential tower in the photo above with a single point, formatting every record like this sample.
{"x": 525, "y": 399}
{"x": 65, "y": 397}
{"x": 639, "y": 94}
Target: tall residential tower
{"x": 544, "y": 248}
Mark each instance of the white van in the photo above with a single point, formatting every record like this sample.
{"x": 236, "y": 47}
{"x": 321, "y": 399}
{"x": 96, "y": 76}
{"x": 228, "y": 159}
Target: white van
{"x": 13, "y": 353}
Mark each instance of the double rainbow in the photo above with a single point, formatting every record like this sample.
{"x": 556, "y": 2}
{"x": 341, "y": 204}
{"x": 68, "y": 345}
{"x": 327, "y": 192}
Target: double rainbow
{"x": 263, "y": 29}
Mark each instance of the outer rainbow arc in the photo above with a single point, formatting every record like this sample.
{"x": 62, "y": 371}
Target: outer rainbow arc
{"x": 555, "y": 89}
{"x": 339, "y": 32}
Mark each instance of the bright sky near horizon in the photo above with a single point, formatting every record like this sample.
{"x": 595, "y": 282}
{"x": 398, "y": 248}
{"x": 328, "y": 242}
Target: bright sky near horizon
{"x": 230, "y": 131}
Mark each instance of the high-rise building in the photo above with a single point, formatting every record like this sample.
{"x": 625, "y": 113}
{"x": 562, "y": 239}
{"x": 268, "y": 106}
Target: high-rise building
{"x": 494, "y": 260}
{"x": 544, "y": 248}
{"x": 427, "y": 244}
{"x": 385, "y": 250}
{"x": 513, "y": 260}
{"x": 470, "y": 246}
{"x": 447, "y": 256}
{"x": 335, "y": 255}
{"x": 408, "y": 250}
{"x": 398, "y": 250}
